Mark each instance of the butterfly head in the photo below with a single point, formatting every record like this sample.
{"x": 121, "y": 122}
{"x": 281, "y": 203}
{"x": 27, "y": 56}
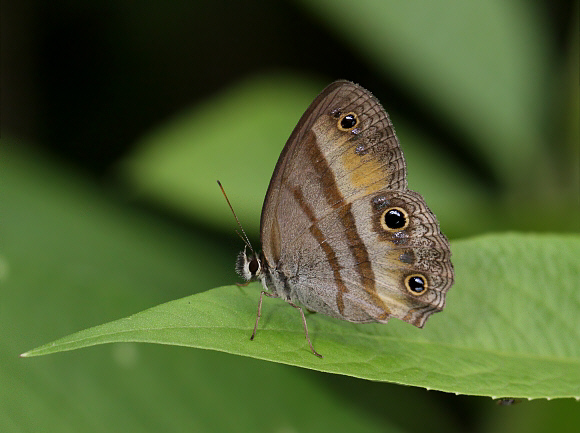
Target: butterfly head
{"x": 248, "y": 265}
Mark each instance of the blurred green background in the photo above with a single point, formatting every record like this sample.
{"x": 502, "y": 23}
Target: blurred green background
{"x": 118, "y": 117}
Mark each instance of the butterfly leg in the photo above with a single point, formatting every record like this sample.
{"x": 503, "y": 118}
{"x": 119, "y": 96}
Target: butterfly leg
{"x": 270, "y": 295}
{"x": 305, "y": 329}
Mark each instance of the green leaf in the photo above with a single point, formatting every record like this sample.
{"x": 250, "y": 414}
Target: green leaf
{"x": 73, "y": 255}
{"x": 511, "y": 327}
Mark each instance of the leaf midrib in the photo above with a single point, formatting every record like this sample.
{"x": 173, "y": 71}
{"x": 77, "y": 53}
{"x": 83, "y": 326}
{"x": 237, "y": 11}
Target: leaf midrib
{"x": 551, "y": 358}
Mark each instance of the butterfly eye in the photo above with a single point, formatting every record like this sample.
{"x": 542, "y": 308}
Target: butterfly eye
{"x": 348, "y": 122}
{"x": 254, "y": 266}
{"x": 416, "y": 284}
{"x": 394, "y": 218}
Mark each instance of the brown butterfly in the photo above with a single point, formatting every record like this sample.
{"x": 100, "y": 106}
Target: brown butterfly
{"x": 341, "y": 233}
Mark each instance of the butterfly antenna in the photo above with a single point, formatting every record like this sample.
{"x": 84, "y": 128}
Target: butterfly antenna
{"x": 244, "y": 237}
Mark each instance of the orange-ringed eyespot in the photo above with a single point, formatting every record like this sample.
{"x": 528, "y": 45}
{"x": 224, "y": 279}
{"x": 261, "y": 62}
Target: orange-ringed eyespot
{"x": 416, "y": 284}
{"x": 394, "y": 218}
{"x": 348, "y": 121}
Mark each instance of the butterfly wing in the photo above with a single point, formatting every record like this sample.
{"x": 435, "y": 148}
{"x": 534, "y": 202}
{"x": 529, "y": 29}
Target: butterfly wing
{"x": 378, "y": 271}
{"x": 330, "y": 165}
{"x": 317, "y": 223}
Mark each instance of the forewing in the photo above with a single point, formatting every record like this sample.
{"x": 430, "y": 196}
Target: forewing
{"x": 326, "y": 163}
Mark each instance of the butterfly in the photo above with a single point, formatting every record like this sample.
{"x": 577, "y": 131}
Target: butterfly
{"x": 341, "y": 233}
